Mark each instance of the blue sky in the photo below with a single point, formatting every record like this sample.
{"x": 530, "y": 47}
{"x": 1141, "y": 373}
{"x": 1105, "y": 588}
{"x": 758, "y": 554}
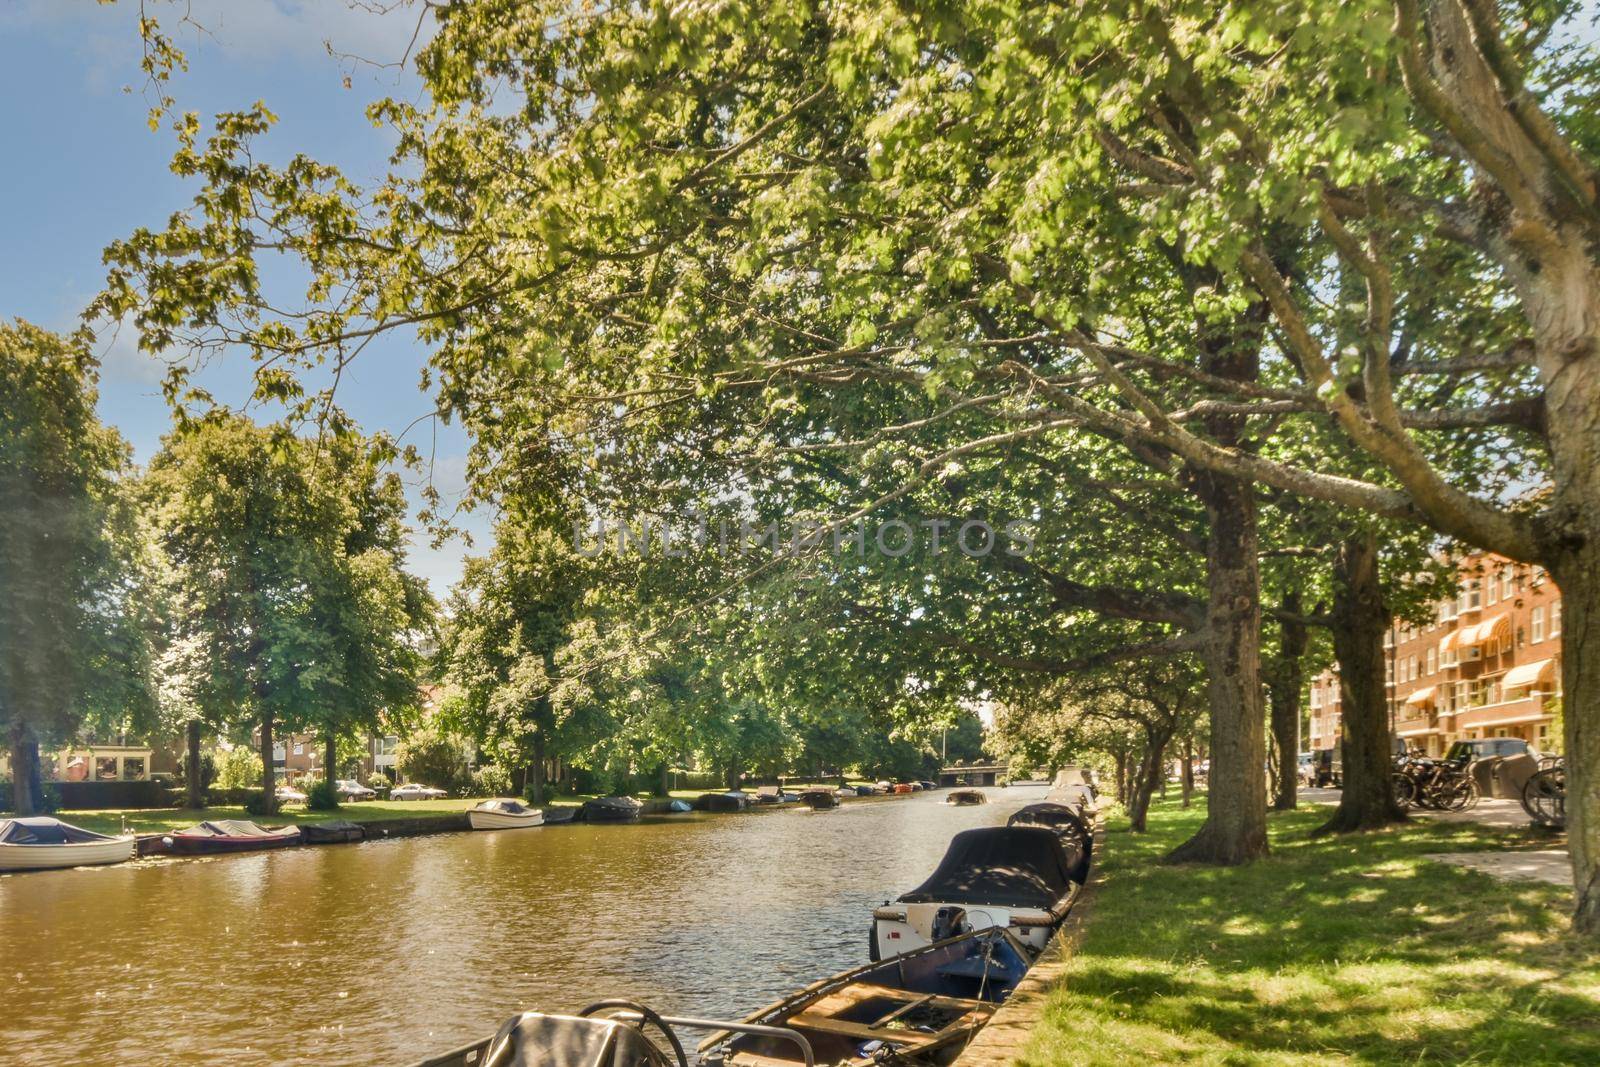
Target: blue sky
{"x": 81, "y": 168}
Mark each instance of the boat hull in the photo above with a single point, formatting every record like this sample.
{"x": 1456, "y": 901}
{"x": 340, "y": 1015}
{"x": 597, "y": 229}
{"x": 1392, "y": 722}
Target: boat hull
{"x": 504, "y": 820}
{"x": 56, "y": 857}
{"x": 211, "y": 845}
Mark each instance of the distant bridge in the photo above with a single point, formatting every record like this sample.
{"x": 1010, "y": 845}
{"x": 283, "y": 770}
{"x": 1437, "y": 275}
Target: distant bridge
{"x": 973, "y": 774}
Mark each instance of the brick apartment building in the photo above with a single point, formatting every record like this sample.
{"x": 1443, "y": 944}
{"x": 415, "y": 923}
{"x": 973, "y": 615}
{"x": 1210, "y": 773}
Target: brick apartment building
{"x": 1488, "y": 665}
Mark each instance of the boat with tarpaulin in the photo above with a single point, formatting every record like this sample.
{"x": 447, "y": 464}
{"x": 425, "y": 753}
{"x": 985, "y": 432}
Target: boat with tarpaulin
{"x": 42, "y": 843}
{"x": 230, "y": 835}
{"x": 1009, "y": 876}
{"x": 504, "y": 813}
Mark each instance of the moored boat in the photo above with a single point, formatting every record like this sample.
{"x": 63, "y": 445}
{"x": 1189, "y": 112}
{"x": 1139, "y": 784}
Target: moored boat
{"x": 331, "y": 832}
{"x": 1067, "y": 823}
{"x": 966, "y": 798}
{"x": 921, "y": 1008}
{"x": 563, "y": 814}
{"x": 504, "y": 813}
{"x": 819, "y": 799}
{"x": 679, "y": 807}
{"x": 733, "y": 800}
{"x": 43, "y": 843}
{"x": 1010, "y": 876}
{"x": 230, "y": 835}
{"x": 611, "y": 809}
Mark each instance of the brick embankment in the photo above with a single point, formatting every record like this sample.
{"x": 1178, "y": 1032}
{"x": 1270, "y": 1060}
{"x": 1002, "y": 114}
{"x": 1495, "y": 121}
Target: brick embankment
{"x": 1002, "y": 1042}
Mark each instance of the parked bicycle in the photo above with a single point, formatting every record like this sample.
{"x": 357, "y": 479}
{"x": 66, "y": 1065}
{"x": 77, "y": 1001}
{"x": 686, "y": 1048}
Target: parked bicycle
{"x": 1442, "y": 785}
{"x": 1544, "y": 796}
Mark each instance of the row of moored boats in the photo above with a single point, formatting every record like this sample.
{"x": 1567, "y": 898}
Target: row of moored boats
{"x": 944, "y": 956}
{"x": 44, "y": 843}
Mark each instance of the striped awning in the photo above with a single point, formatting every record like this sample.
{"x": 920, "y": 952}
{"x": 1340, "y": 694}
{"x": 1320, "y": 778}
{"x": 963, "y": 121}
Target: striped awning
{"x": 1450, "y": 641}
{"x": 1421, "y": 696}
{"x": 1489, "y": 630}
{"x": 1526, "y": 674}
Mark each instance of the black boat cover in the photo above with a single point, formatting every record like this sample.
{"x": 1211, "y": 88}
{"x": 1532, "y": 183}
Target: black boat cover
{"x": 1008, "y": 866}
{"x": 45, "y": 831}
{"x": 603, "y": 808}
{"x": 1077, "y": 840}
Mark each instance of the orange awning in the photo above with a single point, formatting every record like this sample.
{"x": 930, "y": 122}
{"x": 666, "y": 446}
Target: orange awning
{"x": 1486, "y": 631}
{"x": 1450, "y": 641}
{"x": 1525, "y": 674}
{"x": 1421, "y": 696}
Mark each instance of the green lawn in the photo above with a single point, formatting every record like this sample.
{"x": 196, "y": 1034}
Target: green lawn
{"x": 161, "y": 820}
{"x": 1352, "y": 950}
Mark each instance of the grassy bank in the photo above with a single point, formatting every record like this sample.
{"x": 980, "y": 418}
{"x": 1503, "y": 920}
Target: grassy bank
{"x": 1330, "y": 951}
{"x": 163, "y": 820}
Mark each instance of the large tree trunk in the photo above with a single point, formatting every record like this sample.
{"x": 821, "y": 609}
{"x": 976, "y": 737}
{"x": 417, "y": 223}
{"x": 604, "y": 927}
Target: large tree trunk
{"x": 269, "y": 777}
{"x": 1359, "y": 620}
{"x": 330, "y": 756}
{"x": 1285, "y": 680}
{"x": 1578, "y": 575}
{"x": 664, "y": 783}
{"x": 734, "y": 776}
{"x": 24, "y": 769}
{"x": 194, "y": 781}
{"x": 1235, "y": 830}
{"x": 536, "y": 781}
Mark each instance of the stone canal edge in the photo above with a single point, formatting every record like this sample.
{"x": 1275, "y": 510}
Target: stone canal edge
{"x": 1002, "y": 1042}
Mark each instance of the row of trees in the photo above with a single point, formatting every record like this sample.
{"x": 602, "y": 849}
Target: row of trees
{"x": 248, "y": 581}
{"x": 1242, "y": 308}
{"x": 252, "y": 582}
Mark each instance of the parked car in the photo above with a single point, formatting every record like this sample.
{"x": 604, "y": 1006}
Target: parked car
{"x": 1484, "y": 747}
{"x": 412, "y": 791}
{"x": 352, "y": 790}
{"x": 290, "y": 795}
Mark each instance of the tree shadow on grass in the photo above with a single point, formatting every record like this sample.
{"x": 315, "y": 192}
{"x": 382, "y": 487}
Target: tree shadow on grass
{"x": 1347, "y": 948}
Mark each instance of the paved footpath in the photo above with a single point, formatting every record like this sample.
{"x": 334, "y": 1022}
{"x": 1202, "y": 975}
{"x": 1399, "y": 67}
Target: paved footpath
{"x": 1546, "y": 865}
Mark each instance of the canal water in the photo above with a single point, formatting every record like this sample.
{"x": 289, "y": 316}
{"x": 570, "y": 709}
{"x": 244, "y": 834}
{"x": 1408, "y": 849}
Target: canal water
{"x": 383, "y": 952}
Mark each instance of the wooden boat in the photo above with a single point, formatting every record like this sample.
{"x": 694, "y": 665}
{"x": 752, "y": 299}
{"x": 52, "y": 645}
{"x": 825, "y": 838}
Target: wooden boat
{"x": 43, "y": 843}
{"x": 611, "y": 809}
{"x": 919, "y": 1008}
{"x": 504, "y": 813}
{"x": 230, "y": 835}
{"x": 1067, "y": 823}
{"x": 966, "y": 798}
{"x": 820, "y": 799}
{"x": 332, "y": 832}
{"x": 904, "y": 787}
{"x": 1012, "y": 876}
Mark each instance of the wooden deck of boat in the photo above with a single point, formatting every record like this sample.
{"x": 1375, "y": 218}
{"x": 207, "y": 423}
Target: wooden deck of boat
{"x": 824, "y": 1016}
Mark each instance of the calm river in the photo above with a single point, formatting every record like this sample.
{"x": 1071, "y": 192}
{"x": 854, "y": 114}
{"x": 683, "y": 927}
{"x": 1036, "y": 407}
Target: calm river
{"x": 383, "y": 952}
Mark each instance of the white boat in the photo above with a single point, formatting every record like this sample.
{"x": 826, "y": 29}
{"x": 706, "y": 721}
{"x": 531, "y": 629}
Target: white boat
{"x": 504, "y": 814}
{"x": 42, "y": 843}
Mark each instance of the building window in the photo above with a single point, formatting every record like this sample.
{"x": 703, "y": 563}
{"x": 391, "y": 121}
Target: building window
{"x": 133, "y": 769}
{"x": 105, "y": 768}
{"x": 1505, "y": 583}
{"x": 1413, "y": 668}
{"x": 1535, "y": 576}
{"x": 1471, "y": 598}
{"x": 1447, "y": 610}
{"x": 1555, "y": 619}
{"x": 1491, "y": 591}
{"x": 1537, "y": 622}
{"x": 1433, "y": 662}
